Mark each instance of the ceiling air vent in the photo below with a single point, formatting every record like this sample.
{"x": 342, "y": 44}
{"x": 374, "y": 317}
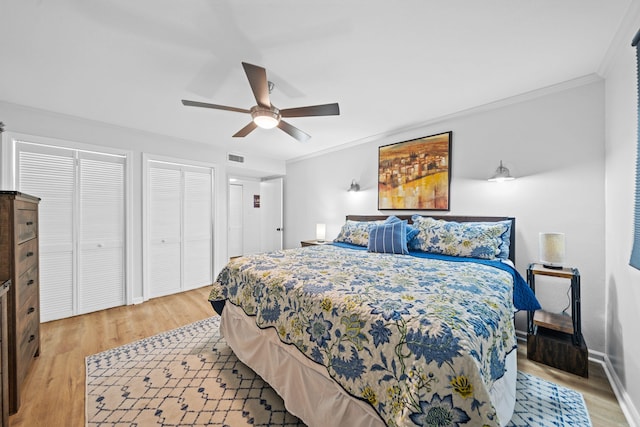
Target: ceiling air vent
{"x": 236, "y": 158}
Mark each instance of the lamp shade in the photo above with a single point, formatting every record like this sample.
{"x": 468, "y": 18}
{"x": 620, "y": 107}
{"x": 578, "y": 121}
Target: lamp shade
{"x": 321, "y": 230}
{"x": 502, "y": 174}
{"x": 552, "y": 250}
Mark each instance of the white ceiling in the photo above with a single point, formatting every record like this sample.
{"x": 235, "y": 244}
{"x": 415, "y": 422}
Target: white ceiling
{"x": 390, "y": 65}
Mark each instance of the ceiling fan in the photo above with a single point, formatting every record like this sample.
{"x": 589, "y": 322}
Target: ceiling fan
{"x": 264, "y": 114}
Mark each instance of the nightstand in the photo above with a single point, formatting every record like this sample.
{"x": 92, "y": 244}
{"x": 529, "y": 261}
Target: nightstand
{"x": 314, "y": 242}
{"x": 555, "y": 339}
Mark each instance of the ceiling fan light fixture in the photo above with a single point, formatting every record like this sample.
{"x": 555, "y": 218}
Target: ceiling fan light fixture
{"x": 265, "y": 118}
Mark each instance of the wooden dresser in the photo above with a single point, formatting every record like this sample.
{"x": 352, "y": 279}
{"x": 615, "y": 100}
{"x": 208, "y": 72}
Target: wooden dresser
{"x": 4, "y": 356}
{"x": 19, "y": 255}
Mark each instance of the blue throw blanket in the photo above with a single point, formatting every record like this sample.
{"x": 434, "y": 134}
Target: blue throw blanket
{"x": 523, "y": 296}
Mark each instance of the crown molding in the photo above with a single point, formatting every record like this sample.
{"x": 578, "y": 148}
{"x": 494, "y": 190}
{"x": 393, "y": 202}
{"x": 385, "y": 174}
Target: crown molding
{"x": 622, "y": 39}
{"x": 526, "y": 96}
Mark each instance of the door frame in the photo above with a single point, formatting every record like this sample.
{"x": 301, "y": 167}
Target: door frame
{"x": 8, "y": 180}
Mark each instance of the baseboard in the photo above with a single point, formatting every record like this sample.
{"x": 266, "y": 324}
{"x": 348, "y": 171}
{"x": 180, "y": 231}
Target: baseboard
{"x": 137, "y": 300}
{"x": 628, "y": 408}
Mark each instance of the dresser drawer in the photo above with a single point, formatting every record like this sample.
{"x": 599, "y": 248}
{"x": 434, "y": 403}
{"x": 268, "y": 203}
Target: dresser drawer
{"x": 26, "y": 256}
{"x": 27, "y": 333}
{"x": 26, "y": 224}
{"x": 26, "y": 285}
{"x": 29, "y": 342}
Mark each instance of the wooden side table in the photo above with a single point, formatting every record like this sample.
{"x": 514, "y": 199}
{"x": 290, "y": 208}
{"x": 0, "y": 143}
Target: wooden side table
{"x": 555, "y": 339}
{"x": 314, "y": 242}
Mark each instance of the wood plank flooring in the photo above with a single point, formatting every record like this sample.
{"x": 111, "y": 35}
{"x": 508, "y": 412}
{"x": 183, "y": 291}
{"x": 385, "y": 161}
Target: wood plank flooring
{"x": 53, "y": 393}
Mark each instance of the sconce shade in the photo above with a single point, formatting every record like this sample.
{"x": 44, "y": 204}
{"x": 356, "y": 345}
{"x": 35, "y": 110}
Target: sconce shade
{"x": 321, "y": 231}
{"x": 502, "y": 174}
{"x": 552, "y": 251}
{"x": 354, "y": 186}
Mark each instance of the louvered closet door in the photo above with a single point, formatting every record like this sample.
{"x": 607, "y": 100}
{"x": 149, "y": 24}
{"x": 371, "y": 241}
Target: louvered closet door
{"x": 197, "y": 228}
{"x": 165, "y": 229}
{"x": 101, "y": 232}
{"x": 49, "y": 173}
{"x": 82, "y": 232}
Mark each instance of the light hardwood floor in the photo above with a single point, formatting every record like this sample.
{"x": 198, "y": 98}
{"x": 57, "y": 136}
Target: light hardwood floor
{"x": 53, "y": 393}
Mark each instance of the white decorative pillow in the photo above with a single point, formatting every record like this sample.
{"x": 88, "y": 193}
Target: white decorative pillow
{"x": 465, "y": 239}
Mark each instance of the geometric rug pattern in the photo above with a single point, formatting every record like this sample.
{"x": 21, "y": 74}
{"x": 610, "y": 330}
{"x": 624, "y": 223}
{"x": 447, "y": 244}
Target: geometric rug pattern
{"x": 190, "y": 377}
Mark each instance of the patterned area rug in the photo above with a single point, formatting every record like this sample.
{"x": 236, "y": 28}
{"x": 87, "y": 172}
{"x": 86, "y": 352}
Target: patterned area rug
{"x": 190, "y": 377}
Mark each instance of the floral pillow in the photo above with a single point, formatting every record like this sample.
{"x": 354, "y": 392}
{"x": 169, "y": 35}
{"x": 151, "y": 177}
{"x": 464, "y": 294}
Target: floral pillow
{"x": 484, "y": 240}
{"x": 356, "y": 232}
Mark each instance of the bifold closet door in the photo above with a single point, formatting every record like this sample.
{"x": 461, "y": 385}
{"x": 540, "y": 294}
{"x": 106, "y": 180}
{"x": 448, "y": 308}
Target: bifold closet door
{"x": 82, "y": 227}
{"x": 49, "y": 173}
{"x": 101, "y": 232}
{"x": 180, "y": 225}
{"x": 165, "y": 229}
{"x": 198, "y": 225}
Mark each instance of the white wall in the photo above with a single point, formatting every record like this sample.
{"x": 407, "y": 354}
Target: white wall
{"x": 622, "y": 281}
{"x": 552, "y": 140}
{"x": 29, "y": 121}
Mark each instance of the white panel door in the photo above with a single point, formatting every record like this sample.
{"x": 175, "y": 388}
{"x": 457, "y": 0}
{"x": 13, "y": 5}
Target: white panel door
{"x": 165, "y": 229}
{"x": 198, "y": 244}
{"x": 271, "y": 205}
{"x": 101, "y": 233}
{"x": 49, "y": 173}
{"x": 235, "y": 221}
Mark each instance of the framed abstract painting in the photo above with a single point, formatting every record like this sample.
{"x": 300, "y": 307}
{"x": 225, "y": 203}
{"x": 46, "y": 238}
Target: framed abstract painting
{"x": 415, "y": 174}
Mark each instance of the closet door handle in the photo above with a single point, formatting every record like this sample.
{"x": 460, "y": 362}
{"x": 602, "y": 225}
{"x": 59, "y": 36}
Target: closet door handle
{"x": 31, "y": 310}
{"x": 29, "y": 254}
{"x": 29, "y": 222}
{"x": 32, "y": 337}
{"x": 30, "y": 282}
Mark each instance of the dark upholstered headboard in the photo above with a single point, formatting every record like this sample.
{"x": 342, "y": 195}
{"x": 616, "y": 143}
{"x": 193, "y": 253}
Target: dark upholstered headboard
{"x": 512, "y": 245}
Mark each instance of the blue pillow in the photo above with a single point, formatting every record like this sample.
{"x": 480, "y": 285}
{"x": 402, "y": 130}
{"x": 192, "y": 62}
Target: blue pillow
{"x": 388, "y": 238}
{"x": 411, "y": 231}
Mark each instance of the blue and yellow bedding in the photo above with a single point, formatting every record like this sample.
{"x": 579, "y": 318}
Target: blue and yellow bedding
{"x": 421, "y": 339}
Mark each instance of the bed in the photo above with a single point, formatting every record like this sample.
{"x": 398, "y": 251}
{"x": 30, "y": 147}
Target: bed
{"x": 402, "y": 321}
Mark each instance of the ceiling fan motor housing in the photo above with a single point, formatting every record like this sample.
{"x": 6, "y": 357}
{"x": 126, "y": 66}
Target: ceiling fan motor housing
{"x": 265, "y": 118}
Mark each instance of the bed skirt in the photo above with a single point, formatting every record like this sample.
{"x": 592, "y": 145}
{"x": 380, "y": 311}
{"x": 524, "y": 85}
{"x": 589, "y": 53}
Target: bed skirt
{"x": 305, "y": 386}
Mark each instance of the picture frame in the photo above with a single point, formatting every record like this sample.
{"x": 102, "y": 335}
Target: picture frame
{"x": 415, "y": 174}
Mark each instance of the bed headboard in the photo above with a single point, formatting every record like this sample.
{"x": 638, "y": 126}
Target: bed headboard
{"x": 457, "y": 218}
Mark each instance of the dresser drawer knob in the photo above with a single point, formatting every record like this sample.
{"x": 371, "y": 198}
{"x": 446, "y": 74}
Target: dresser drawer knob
{"x": 32, "y": 337}
{"x": 29, "y": 254}
{"x": 31, "y": 310}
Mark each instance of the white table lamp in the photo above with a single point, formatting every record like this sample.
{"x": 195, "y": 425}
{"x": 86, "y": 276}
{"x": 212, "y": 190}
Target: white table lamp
{"x": 552, "y": 249}
{"x": 321, "y": 230}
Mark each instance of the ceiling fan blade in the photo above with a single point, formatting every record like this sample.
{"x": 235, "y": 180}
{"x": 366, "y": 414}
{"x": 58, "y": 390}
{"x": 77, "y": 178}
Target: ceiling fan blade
{"x": 294, "y": 131}
{"x": 214, "y": 106}
{"x": 259, "y": 85}
{"x": 313, "y": 110}
{"x": 245, "y": 130}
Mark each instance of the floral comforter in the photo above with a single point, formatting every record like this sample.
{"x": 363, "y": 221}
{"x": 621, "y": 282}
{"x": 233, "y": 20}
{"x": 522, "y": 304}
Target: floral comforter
{"x": 421, "y": 340}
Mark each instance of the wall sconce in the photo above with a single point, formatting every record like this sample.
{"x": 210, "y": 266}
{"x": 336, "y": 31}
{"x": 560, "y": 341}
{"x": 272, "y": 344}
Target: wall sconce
{"x": 551, "y": 246}
{"x": 354, "y": 186}
{"x": 321, "y": 231}
{"x": 502, "y": 174}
